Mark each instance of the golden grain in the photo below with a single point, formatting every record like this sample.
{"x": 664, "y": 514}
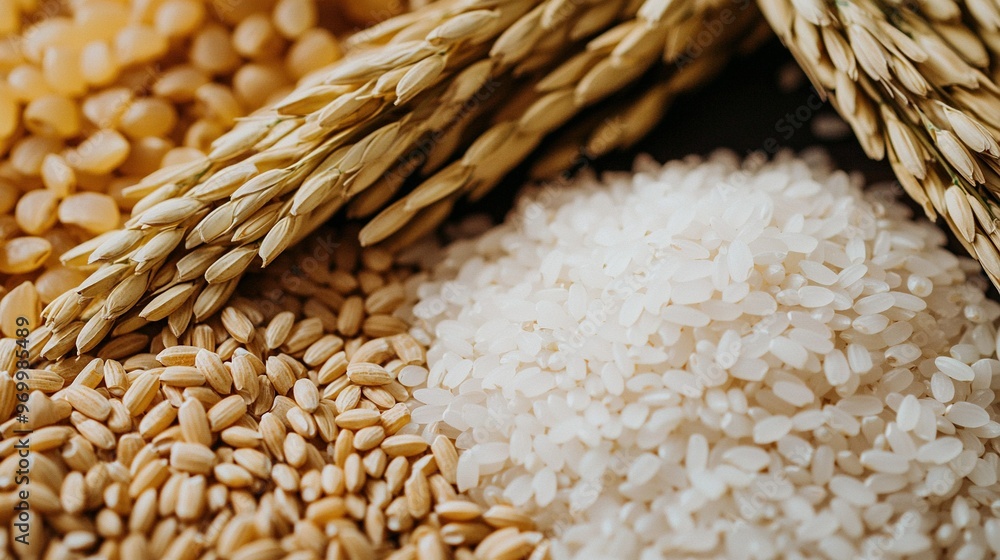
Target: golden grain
{"x": 404, "y": 445}
{"x": 357, "y": 419}
{"x": 182, "y": 376}
{"x": 301, "y": 422}
{"x": 194, "y": 423}
{"x": 348, "y": 398}
{"x": 226, "y": 412}
{"x": 368, "y": 374}
{"x": 238, "y": 325}
{"x": 425, "y": 70}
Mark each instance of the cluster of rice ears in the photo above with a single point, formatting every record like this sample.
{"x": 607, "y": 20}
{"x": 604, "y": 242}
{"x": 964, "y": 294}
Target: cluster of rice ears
{"x": 917, "y": 83}
{"x": 430, "y": 107}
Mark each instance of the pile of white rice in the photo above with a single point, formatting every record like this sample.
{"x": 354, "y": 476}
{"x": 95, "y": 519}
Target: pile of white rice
{"x": 719, "y": 359}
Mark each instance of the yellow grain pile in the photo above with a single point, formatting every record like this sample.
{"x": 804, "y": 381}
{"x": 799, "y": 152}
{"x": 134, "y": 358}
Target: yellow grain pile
{"x": 96, "y": 94}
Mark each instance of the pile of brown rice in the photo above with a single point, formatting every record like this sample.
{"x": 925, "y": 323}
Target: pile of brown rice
{"x": 275, "y": 429}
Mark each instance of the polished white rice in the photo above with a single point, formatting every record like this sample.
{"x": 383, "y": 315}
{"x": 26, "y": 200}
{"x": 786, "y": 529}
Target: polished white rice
{"x": 718, "y": 359}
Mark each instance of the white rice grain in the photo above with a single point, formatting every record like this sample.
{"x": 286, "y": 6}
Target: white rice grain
{"x": 715, "y": 358}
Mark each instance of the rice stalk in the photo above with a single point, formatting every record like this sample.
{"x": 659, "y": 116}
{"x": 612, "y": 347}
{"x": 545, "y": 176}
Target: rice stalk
{"x": 610, "y": 62}
{"x": 346, "y": 136}
{"x": 623, "y": 121}
{"x": 917, "y": 85}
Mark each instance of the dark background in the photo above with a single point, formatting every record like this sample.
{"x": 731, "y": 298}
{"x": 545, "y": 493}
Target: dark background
{"x": 741, "y": 109}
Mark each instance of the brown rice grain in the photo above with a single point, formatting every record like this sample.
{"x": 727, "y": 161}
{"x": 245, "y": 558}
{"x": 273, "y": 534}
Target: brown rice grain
{"x": 348, "y": 398}
{"x": 333, "y": 368}
{"x": 264, "y": 549}
{"x": 192, "y": 457}
{"x": 418, "y": 495}
{"x": 233, "y": 476}
{"x": 301, "y": 422}
{"x": 306, "y": 394}
{"x": 226, "y": 412}
{"x": 351, "y": 316}
{"x": 406, "y": 445}
{"x": 379, "y": 397}
{"x": 375, "y": 463}
{"x": 383, "y": 326}
{"x": 157, "y": 419}
{"x": 23, "y": 254}
{"x": 368, "y": 374}
{"x": 194, "y": 422}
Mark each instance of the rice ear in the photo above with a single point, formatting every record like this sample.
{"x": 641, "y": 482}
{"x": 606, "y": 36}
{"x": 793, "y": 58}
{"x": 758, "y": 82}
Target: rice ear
{"x": 348, "y": 136}
{"x": 936, "y": 109}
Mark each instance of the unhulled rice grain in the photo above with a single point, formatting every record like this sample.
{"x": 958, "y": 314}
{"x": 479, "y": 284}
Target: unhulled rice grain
{"x": 717, "y": 358}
